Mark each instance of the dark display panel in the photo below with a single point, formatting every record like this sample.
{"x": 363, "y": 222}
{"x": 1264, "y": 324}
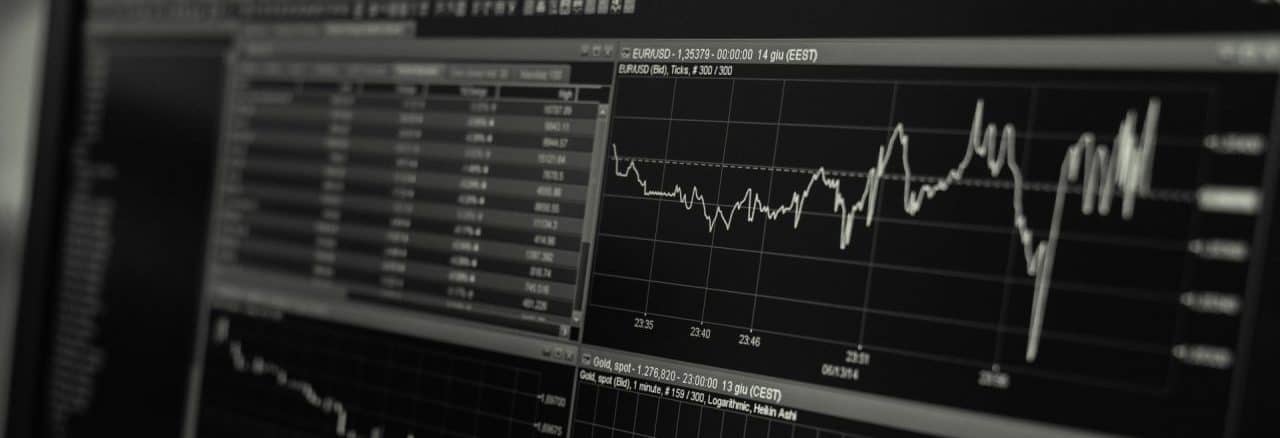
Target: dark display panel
{"x": 1066, "y": 247}
{"x": 286, "y": 376}
{"x": 141, "y": 173}
{"x": 461, "y": 189}
{"x": 1127, "y": 318}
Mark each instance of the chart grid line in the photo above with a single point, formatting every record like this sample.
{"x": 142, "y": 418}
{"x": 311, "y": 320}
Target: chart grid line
{"x": 724, "y": 152}
{"x": 1157, "y": 296}
{"x": 1165, "y": 141}
{"x": 1140, "y": 347}
{"x": 773, "y": 160}
{"x": 657, "y": 221}
{"x": 1029, "y": 370}
{"x": 875, "y": 233}
{"x": 1156, "y": 193}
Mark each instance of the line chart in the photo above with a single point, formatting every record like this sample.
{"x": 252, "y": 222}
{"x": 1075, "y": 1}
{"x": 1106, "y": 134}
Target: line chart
{"x": 321, "y": 379}
{"x": 904, "y": 232}
{"x": 259, "y": 366}
{"x": 1106, "y": 172}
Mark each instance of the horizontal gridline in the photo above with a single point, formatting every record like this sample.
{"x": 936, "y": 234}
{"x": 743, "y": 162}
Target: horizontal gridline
{"x": 1171, "y": 141}
{"x": 976, "y": 364}
{"x": 702, "y": 408}
{"x": 1137, "y": 347}
{"x": 1071, "y": 235}
{"x": 1156, "y": 194}
{"x": 1148, "y": 295}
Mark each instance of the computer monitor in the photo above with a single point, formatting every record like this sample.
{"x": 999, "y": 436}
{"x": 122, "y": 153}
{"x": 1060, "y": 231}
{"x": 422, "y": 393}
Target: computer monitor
{"x": 652, "y": 218}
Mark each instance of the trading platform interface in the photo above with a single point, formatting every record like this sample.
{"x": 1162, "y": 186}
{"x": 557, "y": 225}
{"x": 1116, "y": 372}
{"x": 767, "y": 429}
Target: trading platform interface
{"x": 930, "y": 238}
{"x": 401, "y": 226}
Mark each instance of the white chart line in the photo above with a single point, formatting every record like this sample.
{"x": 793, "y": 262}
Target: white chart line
{"x": 258, "y": 366}
{"x": 1120, "y": 170}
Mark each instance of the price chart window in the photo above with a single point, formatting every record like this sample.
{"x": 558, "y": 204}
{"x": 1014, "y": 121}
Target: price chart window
{"x": 1058, "y": 245}
{"x": 305, "y": 369}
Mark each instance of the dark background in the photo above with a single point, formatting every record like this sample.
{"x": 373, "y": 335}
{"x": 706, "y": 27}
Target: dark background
{"x": 882, "y": 18}
{"x": 178, "y": 98}
{"x": 944, "y": 290}
{"x": 159, "y": 122}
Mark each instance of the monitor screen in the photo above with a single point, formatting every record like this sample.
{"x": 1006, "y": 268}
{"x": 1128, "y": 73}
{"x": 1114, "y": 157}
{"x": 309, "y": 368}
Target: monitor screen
{"x": 652, "y": 218}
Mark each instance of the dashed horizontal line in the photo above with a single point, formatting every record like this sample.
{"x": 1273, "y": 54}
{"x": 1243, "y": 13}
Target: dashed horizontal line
{"x": 1164, "y": 195}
